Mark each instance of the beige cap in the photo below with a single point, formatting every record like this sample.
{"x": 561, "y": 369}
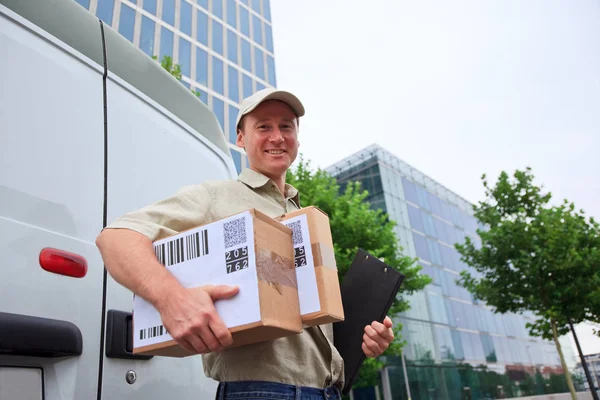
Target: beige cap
{"x": 251, "y": 102}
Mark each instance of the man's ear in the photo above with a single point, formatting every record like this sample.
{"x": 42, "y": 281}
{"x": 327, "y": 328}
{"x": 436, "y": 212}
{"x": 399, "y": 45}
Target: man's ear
{"x": 240, "y": 139}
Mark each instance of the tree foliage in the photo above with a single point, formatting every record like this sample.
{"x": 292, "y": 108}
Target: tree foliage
{"x": 534, "y": 257}
{"x": 354, "y": 224}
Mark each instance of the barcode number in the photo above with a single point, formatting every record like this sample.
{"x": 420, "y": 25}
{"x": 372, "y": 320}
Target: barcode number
{"x": 236, "y": 260}
{"x": 299, "y": 256}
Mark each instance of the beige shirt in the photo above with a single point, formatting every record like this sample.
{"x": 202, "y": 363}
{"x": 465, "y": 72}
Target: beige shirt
{"x": 305, "y": 359}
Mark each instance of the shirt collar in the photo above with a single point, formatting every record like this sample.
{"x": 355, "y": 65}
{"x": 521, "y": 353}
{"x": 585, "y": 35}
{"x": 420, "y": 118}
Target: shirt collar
{"x": 256, "y": 180}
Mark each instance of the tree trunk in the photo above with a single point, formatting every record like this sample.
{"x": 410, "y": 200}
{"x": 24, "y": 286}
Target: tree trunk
{"x": 562, "y": 361}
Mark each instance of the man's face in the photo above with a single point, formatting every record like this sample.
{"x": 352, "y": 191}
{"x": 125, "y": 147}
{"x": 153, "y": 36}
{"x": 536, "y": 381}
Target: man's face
{"x": 270, "y": 136}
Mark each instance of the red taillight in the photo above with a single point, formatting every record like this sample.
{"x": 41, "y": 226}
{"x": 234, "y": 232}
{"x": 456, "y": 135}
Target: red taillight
{"x": 63, "y": 263}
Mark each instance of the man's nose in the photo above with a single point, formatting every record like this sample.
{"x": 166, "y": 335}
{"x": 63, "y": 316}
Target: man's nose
{"x": 276, "y": 136}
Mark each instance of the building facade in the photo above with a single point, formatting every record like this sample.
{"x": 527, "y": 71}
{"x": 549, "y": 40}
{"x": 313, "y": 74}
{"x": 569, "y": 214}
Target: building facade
{"x": 593, "y": 365}
{"x": 224, "y": 47}
{"x": 457, "y": 347}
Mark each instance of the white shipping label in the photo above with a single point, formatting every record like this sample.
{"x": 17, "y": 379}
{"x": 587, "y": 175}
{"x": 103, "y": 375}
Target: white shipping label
{"x": 221, "y": 253}
{"x": 308, "y": 291}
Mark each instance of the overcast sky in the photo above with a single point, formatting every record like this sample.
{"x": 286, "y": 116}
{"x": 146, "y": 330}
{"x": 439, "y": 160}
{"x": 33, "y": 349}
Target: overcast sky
{"x": 454, "y": 88}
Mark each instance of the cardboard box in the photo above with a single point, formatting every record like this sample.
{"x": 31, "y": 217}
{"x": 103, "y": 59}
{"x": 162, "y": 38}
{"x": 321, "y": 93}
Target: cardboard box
{"x": 250, "y": 250}
{"x": 316, "y": 269}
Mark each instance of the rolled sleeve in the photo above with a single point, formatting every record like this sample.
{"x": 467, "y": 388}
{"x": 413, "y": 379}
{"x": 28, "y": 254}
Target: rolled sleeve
{"x": 189, "y": 207}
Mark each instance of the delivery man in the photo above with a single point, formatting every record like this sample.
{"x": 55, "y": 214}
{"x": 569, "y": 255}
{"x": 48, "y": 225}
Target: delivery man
{"x": 303, "y": 366}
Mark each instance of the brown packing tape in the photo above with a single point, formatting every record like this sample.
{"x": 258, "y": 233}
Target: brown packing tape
{"x": 275, "y": 269}
{"x": 323, "y": 255}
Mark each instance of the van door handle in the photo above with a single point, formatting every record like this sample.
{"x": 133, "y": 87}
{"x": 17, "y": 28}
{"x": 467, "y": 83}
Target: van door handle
{"x": 119, "y": 336}
{"x": 26, "y": 335}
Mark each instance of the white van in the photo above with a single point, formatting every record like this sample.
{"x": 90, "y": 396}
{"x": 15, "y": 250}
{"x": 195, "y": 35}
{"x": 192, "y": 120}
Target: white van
{"x": 90, "y": 128}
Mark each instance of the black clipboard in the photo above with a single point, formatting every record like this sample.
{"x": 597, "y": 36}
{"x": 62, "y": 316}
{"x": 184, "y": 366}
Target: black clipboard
{"x": 368, "y": 291}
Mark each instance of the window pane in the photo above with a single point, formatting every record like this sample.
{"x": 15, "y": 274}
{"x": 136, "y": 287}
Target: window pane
{"x": 150, "y": 6}
{"x": 203, "y": 95}
{"x": 185, "y": 20}
{"x": 410, "y": 191}
{"x": 414, "y": 216}
{"x": 422, "y": 198}
{"x": 245, "y": 21}
{"x": 84, "y": 3}
{"x": 440, "y": 230}
{"x": 257, "y": 30}
{"x": 268, "y": 38}
{"x": 201, "y": 66}
{"x": 458, "y": 348}
{"x": 255, "y": 4}
{"x": 434, "y": 252}
{"x": 126, "y": 22}
{"x": 166, "y": 43}
{"x": 246, "y": 55}
{"x": 203, "y": 3}
{"x": 104, "y": 10}
{"x": 232, "y": 13}
{"x": 267, "y": 10}
{"x": 219, "y": 109}
{"x": 445, "y": 343}
{"x": 428, "y": 224}
{"x": 488, "y": 348}
{"x": 233, "y": 84}
{"x": 237, "y": 160}
{"x": 259, "y": 86}
{"x": 202, "y": 28}
{"x": 421, "y": 247}
{"x": 217, "y": 8}
{"x": 168, "y": 12}
{"x": 437, "y": 307}
{"x": 217, "y": 76}
{"x": 246, "y": 85}
{"x": 217, "y": 37}
{"x": 420, "y": 340}
{"x": 232, "y": 46}
{"x": 185, "y": 56}
{"x": 147, "y": 36}
{"x": 271, "y": 66}
{"x": 233, "y": 111}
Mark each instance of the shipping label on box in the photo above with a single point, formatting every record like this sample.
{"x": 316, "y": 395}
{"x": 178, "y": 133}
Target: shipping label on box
{"x": 220, "y": 253}
{"x": 308, "y": 291}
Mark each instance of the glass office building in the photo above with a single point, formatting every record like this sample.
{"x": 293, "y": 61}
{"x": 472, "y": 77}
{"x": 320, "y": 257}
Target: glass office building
{"x": 457, "y": 348}
{"x": 224, "y": 47}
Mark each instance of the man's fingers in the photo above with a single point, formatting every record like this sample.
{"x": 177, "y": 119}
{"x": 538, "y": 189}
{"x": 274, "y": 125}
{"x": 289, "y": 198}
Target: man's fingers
{"x": 388, "y": 322}
{"x": 372, "y": 344}
{"x": 196, "y": 343}
{"x": 383, "y": 331}
{"x": 221, "y": 291}
{"x": 208, "y": 337}
{"x": 221, "y": 333}
{"x": 367, "y": 351}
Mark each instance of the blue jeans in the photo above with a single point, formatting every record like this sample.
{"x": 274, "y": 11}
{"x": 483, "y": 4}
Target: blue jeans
{"x": 256, "y": 390}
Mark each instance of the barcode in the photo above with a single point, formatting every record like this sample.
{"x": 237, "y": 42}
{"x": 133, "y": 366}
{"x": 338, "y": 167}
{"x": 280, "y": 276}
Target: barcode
{"x": 234, "y": 232}
{"x": 296, "y": 228}
{"x": 152, "y": 332}
{"x": 182, "y": 249}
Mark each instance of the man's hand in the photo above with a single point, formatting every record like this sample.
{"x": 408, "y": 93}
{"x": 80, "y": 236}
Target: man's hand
{"x": 377, "y": 337}
{"x": 191, "y": 319}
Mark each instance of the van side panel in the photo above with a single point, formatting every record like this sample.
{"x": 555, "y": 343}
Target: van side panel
{"x": 152, "y": 154}
{"x": 51, "y": 193}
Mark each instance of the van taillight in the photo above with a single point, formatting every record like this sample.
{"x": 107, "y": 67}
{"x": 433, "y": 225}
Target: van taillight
{"x": 63, "y": 263}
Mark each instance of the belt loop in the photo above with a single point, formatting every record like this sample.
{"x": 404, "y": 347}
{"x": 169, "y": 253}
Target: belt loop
{"x": 298, "y": 393}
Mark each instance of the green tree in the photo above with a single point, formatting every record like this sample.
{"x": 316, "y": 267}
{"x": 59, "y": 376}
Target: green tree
{"x": 534, "y": 257}
{"x": 173, "y": 69}
{"x": 354, "y": 224}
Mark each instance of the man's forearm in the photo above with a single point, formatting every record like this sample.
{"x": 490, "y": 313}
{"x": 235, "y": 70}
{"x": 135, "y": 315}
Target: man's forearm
{"x": 130, "y": 260}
